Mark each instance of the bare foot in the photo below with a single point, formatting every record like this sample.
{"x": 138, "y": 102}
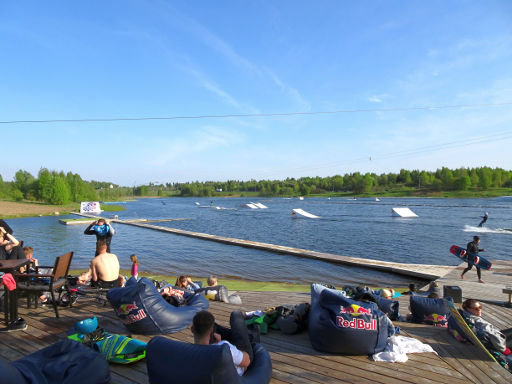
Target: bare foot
{"x": 462, "y": 277}
{"x": 481, "y": 281}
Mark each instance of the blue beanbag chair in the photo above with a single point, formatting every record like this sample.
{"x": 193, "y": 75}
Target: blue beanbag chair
{"x": 142, "y": 309}
{"x": 171, "y": 361}
{"x": 425, "y": 310}
{"x": 389, "y": 307}
{"x": 65, "y": 362}
{"x": 338, "y": 324}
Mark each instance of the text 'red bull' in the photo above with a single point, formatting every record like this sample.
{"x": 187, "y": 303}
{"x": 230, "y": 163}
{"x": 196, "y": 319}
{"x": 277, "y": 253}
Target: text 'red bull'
{"x": 356, "y": 324}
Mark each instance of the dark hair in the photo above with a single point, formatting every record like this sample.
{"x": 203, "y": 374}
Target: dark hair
{"x": 476, "y": 238}
{"x": 433, "y": 295}
{"x": 203, "y": 322}
{"x": 412, "y": 287}
{"x": 469, "y": 303}
{"x": 180, "y": 280}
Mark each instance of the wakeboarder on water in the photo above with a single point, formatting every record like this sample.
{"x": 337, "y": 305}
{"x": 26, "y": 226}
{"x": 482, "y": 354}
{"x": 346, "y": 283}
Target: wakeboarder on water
{"x": 484, "y": 219}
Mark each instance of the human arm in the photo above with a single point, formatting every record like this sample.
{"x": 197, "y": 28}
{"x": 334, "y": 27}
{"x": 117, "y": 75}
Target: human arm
{"x": 191, "y": 285}
{"x": 112, "y": 231}
{"x": 89, "y": 230}
{"x": 94, "y": 272}
{"x": 84, "y": 277}
{"x": 490, "y": 336}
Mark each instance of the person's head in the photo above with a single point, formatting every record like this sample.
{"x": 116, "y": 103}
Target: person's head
{"x": 182, "y": 281}
{"x": 29, "y": 252}
{"x": 101, "y": 222}
{"x": 412, "y": 287}
{"x": 472, "y": 306}
{"x": 212, "y": 281}
{"x": 433, "y": 295}
{"x": 101, "y": 246}
{"x": 387, "y": 294}
{"x": 476, "y": 239}
{"x": 133, "y": 258}
{"x": 202, "y": 325}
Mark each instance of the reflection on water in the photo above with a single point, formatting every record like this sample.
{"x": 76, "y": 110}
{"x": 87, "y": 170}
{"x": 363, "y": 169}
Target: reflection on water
{"x": 360, "y": 228}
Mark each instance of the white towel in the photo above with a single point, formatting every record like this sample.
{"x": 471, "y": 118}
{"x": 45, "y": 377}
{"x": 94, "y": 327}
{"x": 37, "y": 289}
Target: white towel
{"x": 399, "y": 346}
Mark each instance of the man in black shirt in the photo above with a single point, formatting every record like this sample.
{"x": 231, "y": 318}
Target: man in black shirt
{"x": 472, "y": 250}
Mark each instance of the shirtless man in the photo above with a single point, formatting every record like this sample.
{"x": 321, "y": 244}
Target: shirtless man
{"x": 103, "y": 270}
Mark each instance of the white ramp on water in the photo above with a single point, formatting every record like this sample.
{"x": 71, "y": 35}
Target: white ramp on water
{"x": 304, "y": 213}
{"x": 252, "y": 206}
{"x": 259, "y": 205}
{"x": 402, "y": 212}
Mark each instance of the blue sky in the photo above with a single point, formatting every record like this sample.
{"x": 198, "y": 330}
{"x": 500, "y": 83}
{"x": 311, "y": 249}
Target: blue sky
{"x": 134, "y": 59}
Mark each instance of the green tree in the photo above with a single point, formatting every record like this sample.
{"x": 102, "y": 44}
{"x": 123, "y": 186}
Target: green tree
{"x": 485, "y": 177}
{"x": 44, "y": 185}
{"x": 60, "y": 191}
{"x": 463, "y": 183}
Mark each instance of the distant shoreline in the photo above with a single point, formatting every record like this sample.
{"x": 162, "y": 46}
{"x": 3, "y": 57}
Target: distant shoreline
{"x": 15, "y": 209}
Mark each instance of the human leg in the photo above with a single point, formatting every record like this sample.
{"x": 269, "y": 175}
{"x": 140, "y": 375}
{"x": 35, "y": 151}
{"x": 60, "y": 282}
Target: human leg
{"x": 240, "y": 334}
{"x": 479, "y": 273}
{"x": 508, "y": 335}
{"x": 465, "y": 270}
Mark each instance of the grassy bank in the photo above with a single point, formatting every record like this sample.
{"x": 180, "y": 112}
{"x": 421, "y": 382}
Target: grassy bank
{"x": 231, "y": 284}
{"x": 235, "y": 284}
{"x": 14, "y": 209}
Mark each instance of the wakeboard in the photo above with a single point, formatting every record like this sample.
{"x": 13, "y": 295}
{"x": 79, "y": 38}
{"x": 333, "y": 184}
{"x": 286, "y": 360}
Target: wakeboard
{"x": 476, "y": 260}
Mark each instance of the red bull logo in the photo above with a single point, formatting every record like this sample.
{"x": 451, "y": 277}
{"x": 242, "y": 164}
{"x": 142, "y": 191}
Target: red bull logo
{"x": 125, "y": 309}
{"x": 355, "y": 310}
{"x": 436, "y": 320}
{"x": 357, "y": 324}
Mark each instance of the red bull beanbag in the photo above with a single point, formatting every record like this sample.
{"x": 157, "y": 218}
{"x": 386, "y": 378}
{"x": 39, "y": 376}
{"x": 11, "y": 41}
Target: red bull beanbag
{"x": 425, "y": 310}
{"x": 142, "y": 309}
{"x": 338, "y": 324}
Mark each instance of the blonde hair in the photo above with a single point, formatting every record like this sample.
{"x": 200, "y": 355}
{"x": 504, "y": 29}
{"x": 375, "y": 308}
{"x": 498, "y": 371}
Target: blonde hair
{"x": 212, "y": 280}
{"x": 133, "y": 259}
{"x": 28, "y": 250}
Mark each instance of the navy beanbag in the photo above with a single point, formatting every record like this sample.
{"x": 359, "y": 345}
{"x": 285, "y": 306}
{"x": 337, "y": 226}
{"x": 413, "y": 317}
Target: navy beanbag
{"x": 170, "y": 361}
{"x": 389, "y": 307}
{"x": 425, "y": 310}
{"x": 142, "y": 309}
{"x": 338, "y": 324}
{"x": 65, "y": 362}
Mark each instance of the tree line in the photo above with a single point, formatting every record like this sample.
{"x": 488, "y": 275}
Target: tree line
{"x": 57, "y": 188}
{"x": 444, "y": 179}
{"x": 54, "y": 187}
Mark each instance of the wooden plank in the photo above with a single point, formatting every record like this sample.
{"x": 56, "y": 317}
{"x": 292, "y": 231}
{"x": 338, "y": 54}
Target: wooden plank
{"x": 294, "y": 360}
{"x": 422, "y": 271}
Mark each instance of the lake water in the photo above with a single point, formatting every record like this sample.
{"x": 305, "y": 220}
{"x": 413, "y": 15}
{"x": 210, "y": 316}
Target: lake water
{"x": 360, "y": 228}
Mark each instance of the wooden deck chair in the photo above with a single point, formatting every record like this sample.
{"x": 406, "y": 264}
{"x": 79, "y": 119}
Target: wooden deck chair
{"x": 33, "y": 284}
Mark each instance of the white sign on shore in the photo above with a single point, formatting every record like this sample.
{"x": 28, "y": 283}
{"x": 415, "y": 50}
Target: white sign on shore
{"x": 90, "y": 207}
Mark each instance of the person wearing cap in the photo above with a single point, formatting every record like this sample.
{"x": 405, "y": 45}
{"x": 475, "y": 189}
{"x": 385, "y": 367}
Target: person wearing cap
{"x": 484, "y": 219}
{"x": 472, "y": 250}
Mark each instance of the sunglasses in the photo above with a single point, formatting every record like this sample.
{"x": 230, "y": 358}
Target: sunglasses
{"x": 478, "y": 307}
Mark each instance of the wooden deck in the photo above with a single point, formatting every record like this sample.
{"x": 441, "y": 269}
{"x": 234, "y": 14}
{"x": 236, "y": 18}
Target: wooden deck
{"x": 293, "y": 358}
